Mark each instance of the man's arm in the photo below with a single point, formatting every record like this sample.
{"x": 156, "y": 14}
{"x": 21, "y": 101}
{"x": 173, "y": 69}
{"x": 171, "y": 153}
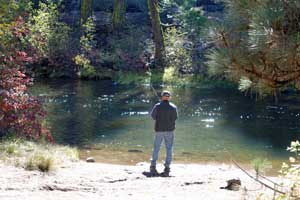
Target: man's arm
{"x": 154, "y": 112}
{"x": 175, "y": 114}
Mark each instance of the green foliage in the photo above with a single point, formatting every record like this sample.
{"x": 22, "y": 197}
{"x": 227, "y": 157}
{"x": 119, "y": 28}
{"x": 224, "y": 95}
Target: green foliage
{"x": 9, "y": 12}
{"x": 48, "y": 35}
{"x": 87, "y": 46}
{"x": 11, "y": 149}
{"x": 87, "y": 39}
{"x": 178, "y": 52}
{"x": 290, "y": 175}
{"x": 86, "y": 69}
{"x": 195, "y": 19}
{"x": 259, "y": 41}
{"x": 10, "y": 9}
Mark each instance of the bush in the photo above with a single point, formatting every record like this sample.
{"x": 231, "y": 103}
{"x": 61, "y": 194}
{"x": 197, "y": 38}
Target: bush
{"x": 20, "y": 112}
{"x": 289, "y": 176}
{"x": 178, "y": 50}
{"x": 87, "y": 47}
{"x": 48, "y": 35}
{"x": 290, "y": 173}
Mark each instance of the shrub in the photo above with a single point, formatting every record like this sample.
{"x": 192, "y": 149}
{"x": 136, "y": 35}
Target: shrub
{"x": 20, "y": 112}
{"x": 178, "y": 50}
{"x": 87, "y": 46}
{"x": 48, "y": 35}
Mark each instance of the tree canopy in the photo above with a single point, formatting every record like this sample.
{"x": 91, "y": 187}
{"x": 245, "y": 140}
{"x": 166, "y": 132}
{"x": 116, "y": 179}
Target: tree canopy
{"x": 257, "y": 45}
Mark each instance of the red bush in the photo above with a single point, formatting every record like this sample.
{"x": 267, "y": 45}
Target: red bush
{"x": 20, "y": 112}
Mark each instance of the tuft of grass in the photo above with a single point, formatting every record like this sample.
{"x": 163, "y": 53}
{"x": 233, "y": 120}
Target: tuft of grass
{"x": 43, "y": 163}
{"x": 11, "y": 149}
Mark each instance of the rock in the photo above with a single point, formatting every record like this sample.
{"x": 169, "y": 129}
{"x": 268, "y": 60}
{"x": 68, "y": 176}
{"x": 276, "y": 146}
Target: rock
{"x": 135, "y": 151}
{"x": 194, "y": 183}
{"x": 233, "y": 184}
{"x": 90, "y": 159}
{"x": 186, "y": 153}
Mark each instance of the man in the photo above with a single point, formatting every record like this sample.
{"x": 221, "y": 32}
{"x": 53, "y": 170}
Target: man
{"x": 165, "y": 114}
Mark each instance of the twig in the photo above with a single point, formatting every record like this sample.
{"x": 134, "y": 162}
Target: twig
{"x": 264, "y": 184}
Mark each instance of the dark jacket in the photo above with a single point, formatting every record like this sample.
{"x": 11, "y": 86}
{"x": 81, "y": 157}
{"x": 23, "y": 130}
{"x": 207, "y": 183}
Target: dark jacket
{"x": 165, "y": 114}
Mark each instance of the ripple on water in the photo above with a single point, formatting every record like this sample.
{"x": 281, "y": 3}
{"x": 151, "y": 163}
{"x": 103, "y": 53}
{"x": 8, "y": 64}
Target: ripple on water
{"x": 210, "y": 120}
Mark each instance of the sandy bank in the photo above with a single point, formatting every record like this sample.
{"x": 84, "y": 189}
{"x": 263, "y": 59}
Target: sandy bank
{"x": 105, "y": 181}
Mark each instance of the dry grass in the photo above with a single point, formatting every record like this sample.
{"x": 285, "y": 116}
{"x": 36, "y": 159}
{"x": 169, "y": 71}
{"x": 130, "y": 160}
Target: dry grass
{"x": 36, "y": 156}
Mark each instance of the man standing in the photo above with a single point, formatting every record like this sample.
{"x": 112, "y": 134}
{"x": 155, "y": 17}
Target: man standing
{"x": 165, "y": 114}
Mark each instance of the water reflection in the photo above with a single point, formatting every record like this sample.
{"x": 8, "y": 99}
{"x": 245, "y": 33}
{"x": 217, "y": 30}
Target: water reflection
{"x": 107, "y": 116}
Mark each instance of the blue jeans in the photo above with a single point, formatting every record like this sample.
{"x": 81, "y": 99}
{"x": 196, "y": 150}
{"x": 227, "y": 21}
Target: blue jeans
{"x": 168, "y": 138}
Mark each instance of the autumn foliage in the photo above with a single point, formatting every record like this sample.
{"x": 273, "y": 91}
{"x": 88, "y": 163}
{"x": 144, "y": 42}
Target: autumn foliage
{"x": 20, "y": 112}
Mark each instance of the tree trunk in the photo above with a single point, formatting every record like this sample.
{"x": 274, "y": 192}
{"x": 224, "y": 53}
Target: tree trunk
{"x": 86, "y": 9}
{"x": 118, "y": 14}
{"x": 157, "y": 34}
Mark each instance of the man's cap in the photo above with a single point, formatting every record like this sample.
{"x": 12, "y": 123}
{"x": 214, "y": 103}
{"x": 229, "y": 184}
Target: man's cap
{"x": 166, "y": 93}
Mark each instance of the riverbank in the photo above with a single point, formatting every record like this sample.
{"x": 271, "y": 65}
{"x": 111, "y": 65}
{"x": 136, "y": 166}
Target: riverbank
{"x": 81, "y": 180}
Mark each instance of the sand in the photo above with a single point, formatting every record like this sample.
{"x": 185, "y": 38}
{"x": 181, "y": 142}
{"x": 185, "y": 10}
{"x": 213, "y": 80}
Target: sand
{"x": 83, "y": 180}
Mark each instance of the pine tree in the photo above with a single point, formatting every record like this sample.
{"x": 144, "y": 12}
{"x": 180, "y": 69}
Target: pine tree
{"x": 257, "y": 45}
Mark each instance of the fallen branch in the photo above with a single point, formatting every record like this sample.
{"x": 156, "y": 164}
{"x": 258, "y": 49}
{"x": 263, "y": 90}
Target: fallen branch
{"x": 264, "y": 184}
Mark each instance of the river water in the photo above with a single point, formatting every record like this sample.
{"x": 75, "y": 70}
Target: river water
{"x": 111, "y": 122}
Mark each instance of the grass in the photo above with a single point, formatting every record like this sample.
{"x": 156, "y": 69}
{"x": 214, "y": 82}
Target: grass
{"x": 30, "y": 155}
{"x": 39, "y": 162}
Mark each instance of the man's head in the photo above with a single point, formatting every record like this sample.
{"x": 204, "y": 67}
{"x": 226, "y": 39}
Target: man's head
{"x": 165, "y": 95}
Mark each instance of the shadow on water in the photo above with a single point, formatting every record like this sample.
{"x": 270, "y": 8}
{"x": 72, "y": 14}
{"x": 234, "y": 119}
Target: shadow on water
{"x": 114, "y": 120}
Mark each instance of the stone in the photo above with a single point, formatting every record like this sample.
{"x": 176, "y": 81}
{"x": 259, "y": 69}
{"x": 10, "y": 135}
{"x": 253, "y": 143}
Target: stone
{"x": 135, "y": 151}
{"x": 90, "y": 159}
{"x": 233, "y": 184}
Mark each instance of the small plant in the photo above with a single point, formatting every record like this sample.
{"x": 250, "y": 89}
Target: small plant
{"x": 38, "y": 161}
{"x": 11, "y": 149}
{"x": 290, "y": 176}
{"x": 36, "y": 156}
{"x": 260, "y": 166}
{"x": 45, "y": 164}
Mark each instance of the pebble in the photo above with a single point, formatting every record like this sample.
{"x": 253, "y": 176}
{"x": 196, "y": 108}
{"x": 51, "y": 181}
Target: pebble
{"x": 90, "y": 159}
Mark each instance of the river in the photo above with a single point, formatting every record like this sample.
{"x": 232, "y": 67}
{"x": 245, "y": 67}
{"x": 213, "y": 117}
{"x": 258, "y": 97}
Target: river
{"x": 111, "y": 122}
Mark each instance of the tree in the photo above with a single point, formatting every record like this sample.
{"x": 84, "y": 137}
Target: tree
{"x": 49, "y": 36}
{"x": 86, "y": 9}
{"x": 20, "y": 112}
{"x": 257, "y": 45}
{"x": 157, "y": 33}
{"x": 118, "y": 13}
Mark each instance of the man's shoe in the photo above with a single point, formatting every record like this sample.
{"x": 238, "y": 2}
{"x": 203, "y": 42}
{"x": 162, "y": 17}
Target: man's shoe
{"x": 153, "y": 171}
{"x": 166, "y": 172}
